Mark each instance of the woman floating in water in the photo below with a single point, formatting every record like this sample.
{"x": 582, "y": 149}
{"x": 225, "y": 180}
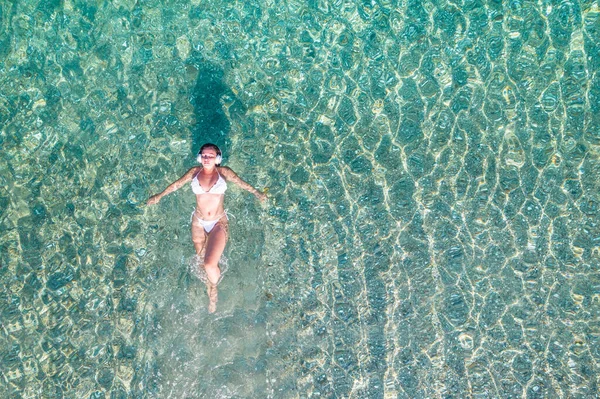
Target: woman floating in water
{"x": 209, "y": 219}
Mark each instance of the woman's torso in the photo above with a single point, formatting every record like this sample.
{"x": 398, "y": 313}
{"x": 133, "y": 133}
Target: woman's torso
{"x": 210, "y": 193}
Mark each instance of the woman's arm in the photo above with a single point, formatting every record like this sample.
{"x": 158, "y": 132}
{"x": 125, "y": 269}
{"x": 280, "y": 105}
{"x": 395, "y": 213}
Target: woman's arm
{"x": 231, "y": 176}
{"x": 176, "y": 185}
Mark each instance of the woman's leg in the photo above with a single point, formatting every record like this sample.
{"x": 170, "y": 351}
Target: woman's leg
{"x": 214, "y": 249}
{"x": 215, "y": 246}
{"x": 198, "y": 237}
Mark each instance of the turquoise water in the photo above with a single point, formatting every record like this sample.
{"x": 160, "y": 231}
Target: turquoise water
{"x": 432, "y": 226}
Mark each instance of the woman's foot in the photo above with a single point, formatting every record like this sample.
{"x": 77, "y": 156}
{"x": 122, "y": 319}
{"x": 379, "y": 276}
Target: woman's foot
{"x": 212, "y": 297}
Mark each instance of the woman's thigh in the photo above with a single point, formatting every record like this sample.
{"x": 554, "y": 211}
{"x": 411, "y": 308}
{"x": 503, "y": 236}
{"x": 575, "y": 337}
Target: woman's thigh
{"x": 216, "y": 241}
{"x": 198, "y": 236}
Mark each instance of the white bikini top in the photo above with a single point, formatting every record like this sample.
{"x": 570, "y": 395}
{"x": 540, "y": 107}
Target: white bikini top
{"x": 218, "y": 188}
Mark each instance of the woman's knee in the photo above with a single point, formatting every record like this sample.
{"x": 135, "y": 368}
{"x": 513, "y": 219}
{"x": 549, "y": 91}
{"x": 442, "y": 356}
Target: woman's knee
{"x": 211, "y": 266}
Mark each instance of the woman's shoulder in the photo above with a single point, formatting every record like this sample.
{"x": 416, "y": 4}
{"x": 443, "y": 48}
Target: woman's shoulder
{"x": 227, "y": 173}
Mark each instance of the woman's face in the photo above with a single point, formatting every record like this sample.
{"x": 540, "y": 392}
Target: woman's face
{"x": 208, "y": 157}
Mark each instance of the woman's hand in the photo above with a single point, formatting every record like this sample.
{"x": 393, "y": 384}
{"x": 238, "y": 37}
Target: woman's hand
{"x": 155, "y": 199}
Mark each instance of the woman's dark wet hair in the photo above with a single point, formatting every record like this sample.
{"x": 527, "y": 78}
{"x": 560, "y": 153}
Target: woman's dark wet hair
{"x": 214, "y": 147}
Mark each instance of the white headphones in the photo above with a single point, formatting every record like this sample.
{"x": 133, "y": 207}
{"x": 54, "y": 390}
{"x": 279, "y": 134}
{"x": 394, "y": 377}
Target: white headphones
{"x": 218, "y": 158}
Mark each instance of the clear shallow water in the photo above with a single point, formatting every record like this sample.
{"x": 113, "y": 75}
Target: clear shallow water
{"x": 432, "y": 228}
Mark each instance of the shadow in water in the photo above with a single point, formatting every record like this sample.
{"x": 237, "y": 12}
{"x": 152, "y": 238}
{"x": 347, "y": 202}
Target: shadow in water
{"x": 212, "y": 124}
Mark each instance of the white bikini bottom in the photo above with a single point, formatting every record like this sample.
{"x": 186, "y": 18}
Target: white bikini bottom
{"x": 208, "y": 225}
